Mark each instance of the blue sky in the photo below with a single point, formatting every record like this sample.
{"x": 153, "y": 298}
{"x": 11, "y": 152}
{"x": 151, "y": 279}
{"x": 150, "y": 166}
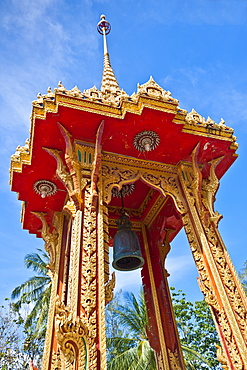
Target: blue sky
{"x": 194, "y": 48}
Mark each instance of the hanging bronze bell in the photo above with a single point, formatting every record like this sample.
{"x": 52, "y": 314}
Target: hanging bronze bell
{"x": 126, "y": 247}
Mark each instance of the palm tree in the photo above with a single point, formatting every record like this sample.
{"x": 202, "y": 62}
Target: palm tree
{"x": 130, "y": 348}
{"x": 127, "y": 342}
{"x": 35, "y": 291}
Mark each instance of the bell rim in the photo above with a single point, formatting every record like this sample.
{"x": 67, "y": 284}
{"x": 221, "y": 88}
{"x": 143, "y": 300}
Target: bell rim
{"x": 140, "y": 258}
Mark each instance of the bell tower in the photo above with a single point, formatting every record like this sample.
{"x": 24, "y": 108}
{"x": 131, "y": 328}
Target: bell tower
{"x": 89, "y": 153}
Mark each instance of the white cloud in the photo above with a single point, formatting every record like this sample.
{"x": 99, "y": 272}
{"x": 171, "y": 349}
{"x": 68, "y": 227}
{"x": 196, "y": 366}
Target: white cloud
{"x": 178, "y": 267}
{"x": 128, "y": 280}
{"x": 211, "y": 91}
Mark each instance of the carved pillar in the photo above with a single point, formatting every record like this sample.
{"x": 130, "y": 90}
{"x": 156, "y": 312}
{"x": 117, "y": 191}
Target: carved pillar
{"x": 218, "y": 279}
{"x": 61, "y": 225}
{"x": 76, "y": 337}
{"x": 162, "y": 331}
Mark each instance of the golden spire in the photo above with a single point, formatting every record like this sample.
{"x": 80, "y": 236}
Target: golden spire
{"x": 109, "y": 84}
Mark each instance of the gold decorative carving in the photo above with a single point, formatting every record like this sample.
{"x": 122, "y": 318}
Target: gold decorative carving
{"x": 114, "y": 176}
{"x": 131, "y": 212}
{"x": 109, "y": 289}
{"x": 21, "y": 151}
{"x": 74, "y": 167}
{"x": 194, "y": 118}
{"x": 221, "y": 357}
{"x": 70, "y": 208}
{"x": 76, "y": 92}
{"x": 102, "y": 271}
{"x": 157, "y": 206}
{"x": 93, "y": 93}
{"x": 58, "y": 224}
{"x": 72, "y": 336}
{"x": 174, "y": 360}
{"x": 159, "y": 361}
{"x": 38, "y": 103}
{"x": 202, "y": 191}
{"x": 79, "y": 335}
{"x": 50, "y": 239}
{"x": 61, "y": 171}
{"x": 218, "y": 281}
{"x": 209, "y": 189}
{"x": 109, "y": 84}
{"x": 60, "y": 88}
{"x": 72, "y": 181}
{"x": 105, "y": 236}
{"x": 167, "y": 185}
{"x": 88, "y": 274}
{"x": 134, "y": 212}
{"x": 152, "y": 89}
{"x": 56, "y": 363}
{"x": 74, "y": 273}
{"x": 136, "y": 225}
{"x": 21, "y": 156}
{"x": 122, "y": 161}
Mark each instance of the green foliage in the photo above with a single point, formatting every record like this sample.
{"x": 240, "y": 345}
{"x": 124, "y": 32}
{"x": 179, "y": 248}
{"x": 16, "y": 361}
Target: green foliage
{"x": 243, "y": 277}
{"x": 11, "y": 340}
{"x": 35, "y": 292}
{"x": 197, "y": 332}
{"x": 31, "y": 307}
{"x": 127, "y": 342}
{"x": 17, "y": 343}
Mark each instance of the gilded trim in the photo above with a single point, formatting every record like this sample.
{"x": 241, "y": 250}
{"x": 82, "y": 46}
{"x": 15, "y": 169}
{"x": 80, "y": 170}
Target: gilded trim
{"x": 51, "y": 313}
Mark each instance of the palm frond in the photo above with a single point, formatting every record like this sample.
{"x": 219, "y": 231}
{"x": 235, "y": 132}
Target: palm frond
{"x": 195, "y": 355}
{"x": 31, "y": 289}
{"x": 36, "y": 289}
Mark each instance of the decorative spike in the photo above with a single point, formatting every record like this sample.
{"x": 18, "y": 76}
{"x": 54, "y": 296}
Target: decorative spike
{"x": 109, "y": 84}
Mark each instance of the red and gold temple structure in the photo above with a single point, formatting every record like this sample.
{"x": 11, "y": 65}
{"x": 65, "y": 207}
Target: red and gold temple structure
{"x": 84, "y": 148}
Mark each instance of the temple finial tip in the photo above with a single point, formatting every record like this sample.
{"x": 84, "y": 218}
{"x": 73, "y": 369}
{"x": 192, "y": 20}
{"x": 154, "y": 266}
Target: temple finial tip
{"x": 103, "y": 26}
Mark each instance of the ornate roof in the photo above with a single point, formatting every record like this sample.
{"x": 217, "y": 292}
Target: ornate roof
{"x": 150, "y": 118}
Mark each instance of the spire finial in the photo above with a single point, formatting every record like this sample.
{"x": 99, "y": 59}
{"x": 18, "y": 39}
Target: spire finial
{"x": 104, "y": 28}
{"x": 109, "y": 84}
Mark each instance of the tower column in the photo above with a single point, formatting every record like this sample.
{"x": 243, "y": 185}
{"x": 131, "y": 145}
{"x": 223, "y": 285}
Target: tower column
{"x": 76, "y": 316}
{"x": 162, "y": 331}
{"x": 218, "y": 279}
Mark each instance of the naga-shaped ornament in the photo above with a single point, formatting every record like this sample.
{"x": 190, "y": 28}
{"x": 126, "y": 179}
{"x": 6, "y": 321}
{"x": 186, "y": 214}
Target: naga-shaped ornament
{"x": 50, "y": 239}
